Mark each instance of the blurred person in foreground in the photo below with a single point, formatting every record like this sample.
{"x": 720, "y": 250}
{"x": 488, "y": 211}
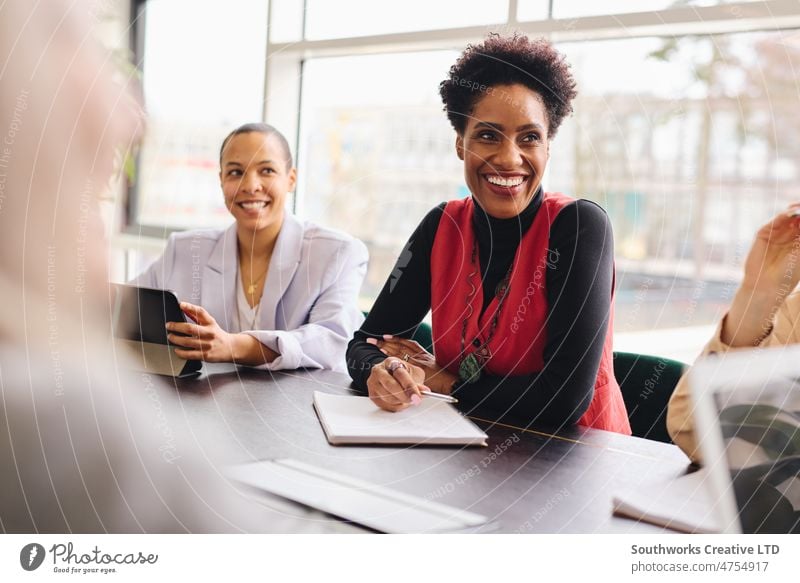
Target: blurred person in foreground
{"x": 81, "y": 443}
{"x": 765, "y": 312}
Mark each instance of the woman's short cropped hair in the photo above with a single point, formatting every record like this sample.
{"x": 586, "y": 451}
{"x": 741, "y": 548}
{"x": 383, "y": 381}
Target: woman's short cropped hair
{"x": 260, "y": 128}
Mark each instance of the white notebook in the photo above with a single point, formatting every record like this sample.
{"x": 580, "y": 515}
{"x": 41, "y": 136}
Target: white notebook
{"x": 683, "y": 504}
{"x": 353, "y": 420}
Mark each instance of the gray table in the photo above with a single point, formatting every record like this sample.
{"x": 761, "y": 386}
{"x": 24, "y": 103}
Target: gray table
{"x": 525, "y": 480}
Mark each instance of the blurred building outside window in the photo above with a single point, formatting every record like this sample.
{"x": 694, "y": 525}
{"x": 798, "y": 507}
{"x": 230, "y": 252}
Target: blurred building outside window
{"x": 688, "y": 141}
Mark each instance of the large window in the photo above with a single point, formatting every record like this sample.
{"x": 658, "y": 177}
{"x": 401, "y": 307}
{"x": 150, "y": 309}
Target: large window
{"x": 377, "y": 151}
{"x": 684, "y": 127}
{"x": 688, "y": 143}
{"x": 203, "y": 67}
{"x": 689, "y": 151}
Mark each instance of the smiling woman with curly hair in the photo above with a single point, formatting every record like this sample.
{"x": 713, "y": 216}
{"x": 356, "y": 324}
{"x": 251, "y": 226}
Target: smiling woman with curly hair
{"x": 520, "y": 281}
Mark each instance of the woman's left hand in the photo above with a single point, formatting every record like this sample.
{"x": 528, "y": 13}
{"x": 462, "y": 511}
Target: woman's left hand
{"x": 205, "y": 341}
{"x": 437, "y": 378}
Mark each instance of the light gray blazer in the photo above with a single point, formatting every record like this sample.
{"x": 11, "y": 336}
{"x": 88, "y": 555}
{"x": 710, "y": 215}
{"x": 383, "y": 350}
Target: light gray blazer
{"x": 308, "y": 308}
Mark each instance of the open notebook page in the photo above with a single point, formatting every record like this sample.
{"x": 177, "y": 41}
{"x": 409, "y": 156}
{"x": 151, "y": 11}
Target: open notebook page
{"x": 684, "y": 504}
{"x": 348, "y": 419}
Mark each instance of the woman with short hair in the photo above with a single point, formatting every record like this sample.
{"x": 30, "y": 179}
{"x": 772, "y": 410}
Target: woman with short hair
{"x": 269, "y": 291}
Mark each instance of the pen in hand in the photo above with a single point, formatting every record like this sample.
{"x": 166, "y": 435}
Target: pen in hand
{"x": 441, "y": 397}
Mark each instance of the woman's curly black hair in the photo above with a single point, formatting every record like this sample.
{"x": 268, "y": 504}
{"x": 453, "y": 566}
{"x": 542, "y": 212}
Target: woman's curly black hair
{"x": 510, "y": 60}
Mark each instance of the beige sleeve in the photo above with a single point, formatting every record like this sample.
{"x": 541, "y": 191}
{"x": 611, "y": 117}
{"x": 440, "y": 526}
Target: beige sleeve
{"x": 785, "y": 330}
{"x": 680, "y": 423}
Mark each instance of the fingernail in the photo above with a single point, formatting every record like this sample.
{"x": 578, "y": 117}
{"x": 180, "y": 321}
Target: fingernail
{"x": 373, "y": 341}
{"x": 415, "y": 400}
{"x": 168, "y": 325}
{"x": 384, "y": 351}
{"x": 387, "y": 336}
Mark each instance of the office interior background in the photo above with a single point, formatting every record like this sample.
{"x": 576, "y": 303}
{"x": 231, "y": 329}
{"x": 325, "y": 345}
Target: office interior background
{"x": 685, "y": 128}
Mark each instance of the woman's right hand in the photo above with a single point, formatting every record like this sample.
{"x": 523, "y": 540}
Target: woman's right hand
{"x": 394, "y": 385}
{"x": 771, "y": 272}
{"x": 773, "y": 263}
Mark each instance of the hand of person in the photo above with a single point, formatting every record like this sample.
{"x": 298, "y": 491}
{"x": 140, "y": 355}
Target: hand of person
{"x": 205, "y": 341}
{"x": 773, "y": 262}
{"x": 771, "y": 272}
{"x": 439, "y": 379}
{"x": 394, "y": 385}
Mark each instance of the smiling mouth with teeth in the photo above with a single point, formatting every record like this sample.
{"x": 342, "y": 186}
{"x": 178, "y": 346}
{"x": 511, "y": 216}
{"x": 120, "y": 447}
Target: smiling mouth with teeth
{"x": 507, "y": 182}
{"x": 253, "y": 205}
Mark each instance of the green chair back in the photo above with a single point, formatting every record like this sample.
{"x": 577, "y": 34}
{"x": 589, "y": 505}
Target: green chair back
{"x": 647, "y": 383}
{"x": 424, "y": 336}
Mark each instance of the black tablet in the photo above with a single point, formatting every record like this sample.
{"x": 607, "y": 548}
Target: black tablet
{"x": 140, "y": 316}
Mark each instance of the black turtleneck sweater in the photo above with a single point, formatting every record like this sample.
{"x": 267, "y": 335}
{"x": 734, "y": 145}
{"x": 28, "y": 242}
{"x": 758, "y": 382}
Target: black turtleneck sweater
{"x": 579, "y": 288}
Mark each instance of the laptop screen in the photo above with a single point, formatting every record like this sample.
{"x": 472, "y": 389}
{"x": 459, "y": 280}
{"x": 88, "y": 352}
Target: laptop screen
{"x": 748, "y": 421}
{"x": 758, "y": 420}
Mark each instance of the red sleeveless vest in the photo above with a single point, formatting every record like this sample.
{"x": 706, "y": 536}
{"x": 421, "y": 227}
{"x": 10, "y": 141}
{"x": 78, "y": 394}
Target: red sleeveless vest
{"x": 519, "y": 340}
